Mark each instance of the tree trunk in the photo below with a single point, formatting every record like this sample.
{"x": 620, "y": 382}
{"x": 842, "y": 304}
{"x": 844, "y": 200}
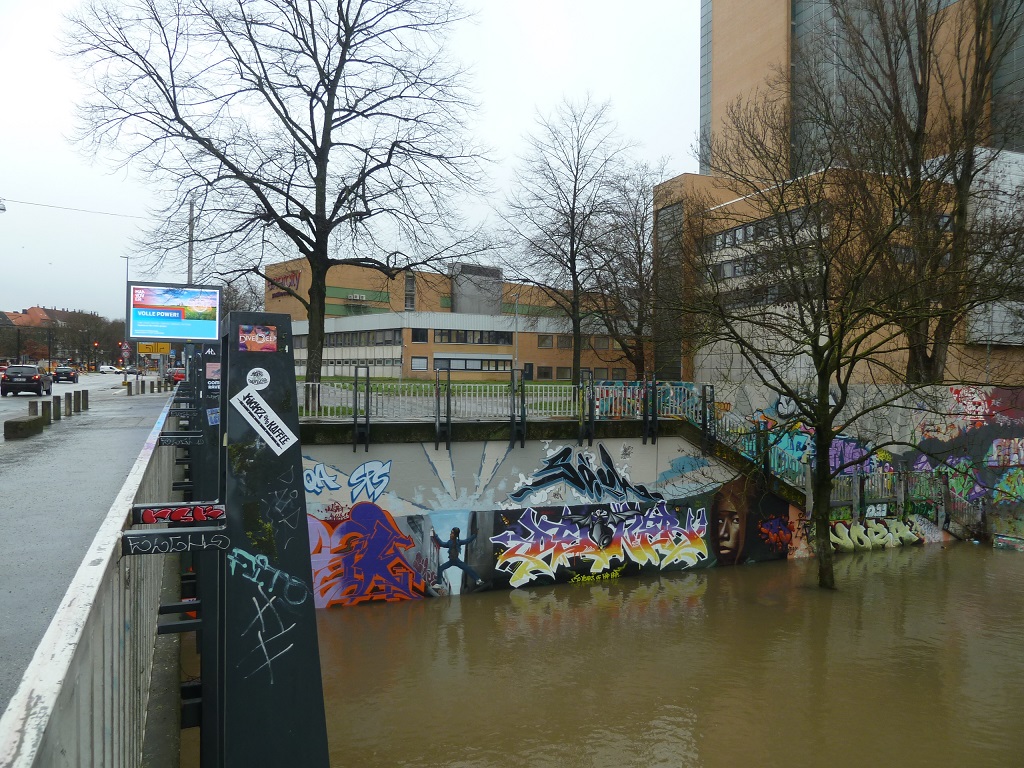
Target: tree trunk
{"x": 317, "y": 309}
{"x": 821, "y": 514}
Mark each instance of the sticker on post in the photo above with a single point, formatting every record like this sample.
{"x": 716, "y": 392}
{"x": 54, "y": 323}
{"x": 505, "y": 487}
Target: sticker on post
{"x": 257, "y": 338}
{"x": 258, "y": 378}
{"x": 263, "y": 419}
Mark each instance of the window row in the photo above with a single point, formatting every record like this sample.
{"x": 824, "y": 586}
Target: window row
{"x": 459, "y": 364}
{"x": 383, "y": 338}
{"x": 564, "y": 341}
{"x": 757, "y": 230}
{"x": 375, "y": 361}
{"x": 734, "y": 268}
{"x": 452, "y": 336}
{"x": 564, "y": 373}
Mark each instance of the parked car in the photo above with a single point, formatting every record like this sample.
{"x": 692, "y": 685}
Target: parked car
{"x": 65, "y": 373}
{"x": 109, "y": 369}
{"x": 25, "y": 378}
{"x": 174, "y": 375}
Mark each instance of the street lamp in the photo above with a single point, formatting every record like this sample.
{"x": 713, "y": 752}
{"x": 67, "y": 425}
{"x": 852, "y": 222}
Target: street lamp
{"x": 124, "y": 347}
{"x": 515, "y": 337}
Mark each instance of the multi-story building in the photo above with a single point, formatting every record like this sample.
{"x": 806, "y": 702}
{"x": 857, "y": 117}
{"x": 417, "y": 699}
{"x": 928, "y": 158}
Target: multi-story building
{"x": 744, "y": 45}
{"x": 469, "y": 321}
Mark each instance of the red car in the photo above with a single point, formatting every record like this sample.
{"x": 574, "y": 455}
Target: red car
{"x": 174, "y": 375}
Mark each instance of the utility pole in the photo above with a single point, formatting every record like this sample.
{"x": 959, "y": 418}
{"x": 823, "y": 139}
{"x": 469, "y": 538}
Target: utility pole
{"x": 191, "y": 235}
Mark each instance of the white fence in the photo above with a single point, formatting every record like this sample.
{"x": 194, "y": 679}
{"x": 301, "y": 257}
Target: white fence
{"x": 83, "y": 699}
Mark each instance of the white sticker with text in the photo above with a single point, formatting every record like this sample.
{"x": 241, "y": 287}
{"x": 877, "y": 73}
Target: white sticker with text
{"x": 263, "y": 419}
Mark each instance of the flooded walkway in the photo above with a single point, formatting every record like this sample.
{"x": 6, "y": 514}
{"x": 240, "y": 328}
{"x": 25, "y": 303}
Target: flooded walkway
{"x": 917, "y": 659}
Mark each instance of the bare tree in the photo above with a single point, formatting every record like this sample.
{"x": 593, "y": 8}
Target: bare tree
{"x": 556, "y": 216}
{"x": 789, "y": 285}
{"x": 919, "y": 85}
{"x": 622, "y": 301}
{"x": 852, "y": 222}
{"x": 329, "y": 130}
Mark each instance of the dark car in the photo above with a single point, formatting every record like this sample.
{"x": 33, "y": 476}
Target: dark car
{"x": 174, "y": 375}
{"x": 25, "y": 378}
{"x": 65, "y": 373}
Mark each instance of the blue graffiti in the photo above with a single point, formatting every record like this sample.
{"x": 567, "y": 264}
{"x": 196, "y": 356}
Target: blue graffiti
{"x": 595, "y": 483}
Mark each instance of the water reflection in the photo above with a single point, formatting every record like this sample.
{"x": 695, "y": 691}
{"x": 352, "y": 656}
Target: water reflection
{"x": 916, "y": 660}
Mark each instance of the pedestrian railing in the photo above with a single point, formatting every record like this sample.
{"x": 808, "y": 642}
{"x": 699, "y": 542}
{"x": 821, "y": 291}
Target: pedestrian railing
{"x": 84, "y": 696}
{"x": 608, "y": 401}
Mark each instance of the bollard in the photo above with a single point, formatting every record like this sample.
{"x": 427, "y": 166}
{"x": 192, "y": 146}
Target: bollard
{"x": 67, "y": 403}
{"x": 33, "y": 407}
{"x": 56, "y": 408}
{"x": 152, "y": 387}
{"x": 129, "y": 385}
{"x": 78, "y": 401}
{"x": 47, "y": 405}
{"x": 85, "y": 399}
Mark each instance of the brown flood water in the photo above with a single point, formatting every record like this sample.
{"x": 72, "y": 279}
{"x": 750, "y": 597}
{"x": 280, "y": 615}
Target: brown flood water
{"x": 916, "y": 660}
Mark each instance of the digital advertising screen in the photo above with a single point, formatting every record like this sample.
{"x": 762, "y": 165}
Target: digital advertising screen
{"x": 164, "y": 312}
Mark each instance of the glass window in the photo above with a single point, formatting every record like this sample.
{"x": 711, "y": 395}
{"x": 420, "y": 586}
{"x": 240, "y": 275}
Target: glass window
{"x": 600, "y": 374}
{"x": 544, "y": 340}
{"x": 619, "y": 374}
{"x": 600, "y": 342}
{"x": 473, "y": 365}
{"x": 564, "y": 372}
{"x": 544, "y": 372}
{"x": 419, "y": 363}
{"x": 565, "y": 342}
{"x": 419, "y": 335}
{"x": 410, "y": 292}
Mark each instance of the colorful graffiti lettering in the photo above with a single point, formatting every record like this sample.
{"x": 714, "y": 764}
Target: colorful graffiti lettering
{"x": 197, "y": 513}
{"x": 972, "y": 402}
{"x": 962, "y": 478}
{"x": 316, "y": 480}
{"x": 257, "y": 569}
{"x": 587, "y": 481}
{"x": 370, "y": 478}
{"x": 1006, "y": 452}
{"x": 361, "y": 559}
{"x": 1010, "y": 487}
{"x": 336, "y": 512}
{"x": 539, "y": 545}
{"x": 776, "y": 534}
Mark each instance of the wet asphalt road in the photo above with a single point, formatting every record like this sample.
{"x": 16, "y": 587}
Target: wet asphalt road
{"x": 55, "y": 488}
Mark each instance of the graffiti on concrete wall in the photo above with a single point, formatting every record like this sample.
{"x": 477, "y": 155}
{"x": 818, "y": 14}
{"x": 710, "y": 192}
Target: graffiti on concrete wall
{"x": 874, "y": 533}
{"x": 361, "y": 559}
{"x": 539, "y": 546}
{"x": 587, "y": 477}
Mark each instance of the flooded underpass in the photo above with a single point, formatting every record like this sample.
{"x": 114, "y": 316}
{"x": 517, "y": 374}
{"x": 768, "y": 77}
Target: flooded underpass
{"x": 917, "y": 659}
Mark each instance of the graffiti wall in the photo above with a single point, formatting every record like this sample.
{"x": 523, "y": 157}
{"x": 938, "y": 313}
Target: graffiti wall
{"x": 413, "y": 522}
{"x": 406, "y": 521}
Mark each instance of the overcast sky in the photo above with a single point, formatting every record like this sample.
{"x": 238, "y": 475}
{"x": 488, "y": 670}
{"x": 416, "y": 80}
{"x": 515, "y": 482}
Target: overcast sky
{"x": 527, "y": 55}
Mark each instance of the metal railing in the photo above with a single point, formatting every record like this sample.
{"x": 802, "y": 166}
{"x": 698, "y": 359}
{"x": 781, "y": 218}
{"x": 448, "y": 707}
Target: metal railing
{"x": 417, "y": 401}
{"x": 84, "y": 696}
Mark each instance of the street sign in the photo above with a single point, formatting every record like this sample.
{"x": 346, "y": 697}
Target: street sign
{"x": 155, "y": 348}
